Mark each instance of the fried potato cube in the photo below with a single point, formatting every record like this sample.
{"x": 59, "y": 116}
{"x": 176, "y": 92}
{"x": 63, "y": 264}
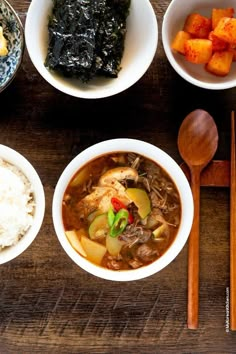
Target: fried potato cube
{"x": 217, "y": 43}
{"x": 179, "y": 41}
{"x": 217, "y": 14}
{"x": 226, "y": 29}
{"x": 197, "y": 25}
{"x": 220, "y": 63}
{"x": 198, "y": 51}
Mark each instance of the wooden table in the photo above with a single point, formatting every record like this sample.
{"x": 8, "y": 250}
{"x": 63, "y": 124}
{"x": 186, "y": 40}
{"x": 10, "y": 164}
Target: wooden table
{"x": 50, "y": 305}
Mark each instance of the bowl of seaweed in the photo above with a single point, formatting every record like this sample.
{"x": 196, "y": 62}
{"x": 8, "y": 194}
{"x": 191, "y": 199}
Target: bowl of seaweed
{"x": 89, "y": 49}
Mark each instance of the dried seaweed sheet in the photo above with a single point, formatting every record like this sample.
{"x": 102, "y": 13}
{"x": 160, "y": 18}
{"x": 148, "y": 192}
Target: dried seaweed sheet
{"x": 86, "y": 37}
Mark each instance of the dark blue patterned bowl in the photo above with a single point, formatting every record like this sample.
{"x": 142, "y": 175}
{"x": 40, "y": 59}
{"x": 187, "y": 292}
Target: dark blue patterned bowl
{"x": 14, "y": 33}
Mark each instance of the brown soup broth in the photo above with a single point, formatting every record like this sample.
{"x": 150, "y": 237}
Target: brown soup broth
{"x": 139, "y": 248}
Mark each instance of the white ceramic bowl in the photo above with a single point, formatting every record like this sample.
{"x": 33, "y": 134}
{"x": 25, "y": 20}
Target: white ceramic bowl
{"x": 140, "y": 47}
{"x": 14, "y": 158}
{"x": 152, "y": 152}
{"x": 173, "y": 21}
{"x": 14, "y": 33}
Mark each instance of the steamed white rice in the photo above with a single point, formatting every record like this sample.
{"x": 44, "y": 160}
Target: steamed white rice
{"x": 16, "y": 204}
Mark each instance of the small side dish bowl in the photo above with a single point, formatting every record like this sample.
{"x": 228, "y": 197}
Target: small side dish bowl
{"x": 147, "y": 152}
{"x": 140, "y": 47}
{"x": 173, "y": 21}
{"x": 13, "y": 32}
{"x": 22, "y": 204}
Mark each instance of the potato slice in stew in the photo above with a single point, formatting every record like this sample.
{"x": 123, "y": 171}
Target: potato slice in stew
{"x": 95, "y": 251}
{"x": 80, "y": 177}
{"x": 75, "y": 241}
{"x": 141, "y": 200}
{"x": 113, "y": 245}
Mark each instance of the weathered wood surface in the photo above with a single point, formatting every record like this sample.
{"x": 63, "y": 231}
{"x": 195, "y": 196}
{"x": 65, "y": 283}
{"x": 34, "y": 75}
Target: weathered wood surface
{"x": 47, "y": 303}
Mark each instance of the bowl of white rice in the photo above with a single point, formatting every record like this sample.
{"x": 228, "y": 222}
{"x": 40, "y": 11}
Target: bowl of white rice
{"x": 22, "y": 203}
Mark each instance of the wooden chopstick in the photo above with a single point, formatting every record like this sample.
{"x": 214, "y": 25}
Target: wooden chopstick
{"x": 232, "y": 227}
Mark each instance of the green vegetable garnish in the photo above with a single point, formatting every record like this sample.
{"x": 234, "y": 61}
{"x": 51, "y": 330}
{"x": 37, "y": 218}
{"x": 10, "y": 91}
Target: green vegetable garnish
{"x": 120, "y": 223}
{"x": 110, "y": 217}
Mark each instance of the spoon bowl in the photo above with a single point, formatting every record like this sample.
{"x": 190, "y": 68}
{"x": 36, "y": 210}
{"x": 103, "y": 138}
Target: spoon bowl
{"x": 198, "y": 138}
{"x": 197, "y": 143}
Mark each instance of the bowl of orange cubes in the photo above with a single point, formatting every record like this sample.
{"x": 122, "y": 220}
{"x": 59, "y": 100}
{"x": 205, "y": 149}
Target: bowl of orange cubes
{"x": 199, "y": 40}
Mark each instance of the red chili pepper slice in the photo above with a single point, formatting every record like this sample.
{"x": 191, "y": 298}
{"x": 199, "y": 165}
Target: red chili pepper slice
{"x": 117, "y": 205}
{"x": 130, "y": 219}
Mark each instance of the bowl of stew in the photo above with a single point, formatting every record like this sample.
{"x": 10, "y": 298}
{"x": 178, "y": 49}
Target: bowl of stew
{"x": 122, "y": 209}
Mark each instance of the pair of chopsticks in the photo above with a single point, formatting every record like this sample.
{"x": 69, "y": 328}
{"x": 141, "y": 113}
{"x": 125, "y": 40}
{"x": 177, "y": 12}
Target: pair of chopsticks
{"x": 233, "y": 226}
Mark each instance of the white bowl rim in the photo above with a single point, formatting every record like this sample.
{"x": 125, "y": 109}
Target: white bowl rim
{"x": 138, "y": 146}
{"x": 15, "y": 158}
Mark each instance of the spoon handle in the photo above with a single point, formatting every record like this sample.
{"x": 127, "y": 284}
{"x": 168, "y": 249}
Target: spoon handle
{"x": 193, "y": 253}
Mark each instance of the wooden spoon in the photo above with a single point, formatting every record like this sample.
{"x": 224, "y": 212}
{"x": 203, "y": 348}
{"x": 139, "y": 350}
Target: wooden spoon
{"x": 197, "y": 143}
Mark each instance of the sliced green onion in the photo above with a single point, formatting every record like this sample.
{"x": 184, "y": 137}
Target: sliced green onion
{"x": 110, "y": 217}
{"x": 159, "y": 231}
{"x": 120, "y": 223}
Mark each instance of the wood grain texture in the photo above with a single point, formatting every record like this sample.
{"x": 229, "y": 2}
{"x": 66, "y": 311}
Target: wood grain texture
{"x": 216, "y": 174}
{"x": 50, "y": 305}
{"x": 233, "y": 226}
